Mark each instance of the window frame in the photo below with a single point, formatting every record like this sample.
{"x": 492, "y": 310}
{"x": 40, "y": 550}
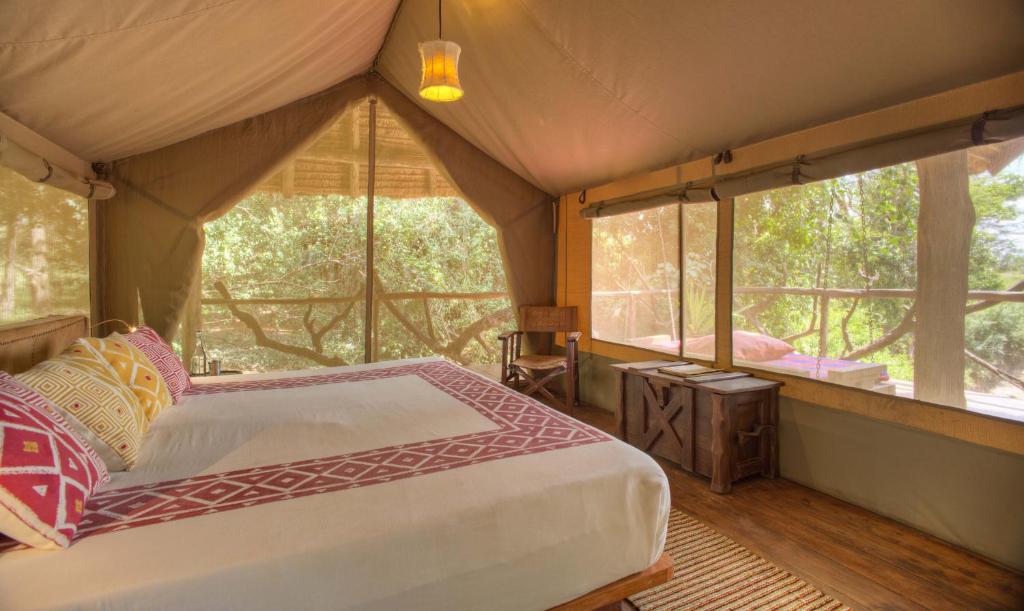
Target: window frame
{"x": 680, "y": 323}
{"x": 982, "y": 429}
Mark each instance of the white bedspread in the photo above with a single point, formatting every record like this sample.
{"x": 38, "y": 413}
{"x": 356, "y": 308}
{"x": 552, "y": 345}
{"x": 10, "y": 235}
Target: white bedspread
{"x": 404, "y": 485}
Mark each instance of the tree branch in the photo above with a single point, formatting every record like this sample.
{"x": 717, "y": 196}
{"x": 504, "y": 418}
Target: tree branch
{"x": 1000, "y": 373}
{"x": 905, "y": 325}
{"x": 491, "y": 320}
{"x": 263, "y": 341}
{"x": 844, "y": 325}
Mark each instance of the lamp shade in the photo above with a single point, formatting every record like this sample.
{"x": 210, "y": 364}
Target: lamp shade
{"x": 440, "y": 81}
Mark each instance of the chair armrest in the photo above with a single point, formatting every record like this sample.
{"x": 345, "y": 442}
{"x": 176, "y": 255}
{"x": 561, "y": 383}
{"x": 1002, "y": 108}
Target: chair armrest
{"x": 508, "y": 334}
{"x": 573, "y": 337}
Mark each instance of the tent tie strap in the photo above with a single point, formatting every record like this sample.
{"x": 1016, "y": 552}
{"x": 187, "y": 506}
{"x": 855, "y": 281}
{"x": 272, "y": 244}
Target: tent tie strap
{"x": 796, "y": 174}
{"x": 49, "y": 172}
{"x": 979, "y": 125}
{"x": 978, "y": 130}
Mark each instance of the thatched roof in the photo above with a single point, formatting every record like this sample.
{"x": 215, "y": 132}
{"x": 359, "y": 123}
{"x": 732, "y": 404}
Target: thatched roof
{"x": 337, "y": 162}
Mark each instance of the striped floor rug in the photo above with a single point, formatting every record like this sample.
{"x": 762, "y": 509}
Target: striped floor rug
{"x": 714, "y": 572}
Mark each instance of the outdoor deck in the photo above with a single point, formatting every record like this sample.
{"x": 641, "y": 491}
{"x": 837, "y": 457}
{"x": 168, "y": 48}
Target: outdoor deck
{"x": 981, "y": 403}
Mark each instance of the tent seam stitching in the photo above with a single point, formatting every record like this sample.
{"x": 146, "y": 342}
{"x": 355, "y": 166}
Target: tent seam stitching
{"x": 194, "y": 13}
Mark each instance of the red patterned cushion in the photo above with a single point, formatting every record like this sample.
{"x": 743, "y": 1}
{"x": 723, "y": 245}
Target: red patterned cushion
{"x": 46, "y": 471}
{"x": 164, "y": 359}
{"x": 746, "y": 346}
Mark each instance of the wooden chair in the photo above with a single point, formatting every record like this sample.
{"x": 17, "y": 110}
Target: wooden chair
{"x": 534, "y": 371}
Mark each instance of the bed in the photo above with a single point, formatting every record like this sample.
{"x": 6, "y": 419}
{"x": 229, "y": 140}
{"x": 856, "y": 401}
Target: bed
{"x": 406, "y": 484}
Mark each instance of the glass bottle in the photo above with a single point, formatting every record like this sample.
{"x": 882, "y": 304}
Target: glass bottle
{"x": 200, "y": 362}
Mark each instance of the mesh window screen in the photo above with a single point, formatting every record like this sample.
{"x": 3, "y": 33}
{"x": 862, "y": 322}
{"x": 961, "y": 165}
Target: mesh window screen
{"x": 700, "y": 231}
{"x": 440, "y": 281}
{"x": 284, "y": 272}
{"x": 639, "y": 259}
{"x": 904, "y": 280}
{"x": 45, "y": 256}
{"x": 635, "y": 284}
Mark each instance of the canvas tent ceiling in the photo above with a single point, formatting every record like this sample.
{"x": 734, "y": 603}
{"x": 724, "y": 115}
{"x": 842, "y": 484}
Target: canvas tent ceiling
{"x": 112, "y": 79}
{"x": 566, "y": 93}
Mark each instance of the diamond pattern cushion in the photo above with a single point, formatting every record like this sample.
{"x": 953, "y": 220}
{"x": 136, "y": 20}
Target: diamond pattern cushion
{"x": 46, "y": 471}
{"x": 136, "y": 371}
{"x": 91, "y": 397}
{"x": 163, "y": 358}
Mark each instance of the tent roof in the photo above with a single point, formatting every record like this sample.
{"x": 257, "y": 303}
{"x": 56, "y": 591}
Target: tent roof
{"x": 567, "y": 93}
{"x": 137, "y": 75}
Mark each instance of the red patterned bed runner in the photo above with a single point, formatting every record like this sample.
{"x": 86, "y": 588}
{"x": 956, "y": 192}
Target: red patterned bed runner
{"x": 524, "y": 427}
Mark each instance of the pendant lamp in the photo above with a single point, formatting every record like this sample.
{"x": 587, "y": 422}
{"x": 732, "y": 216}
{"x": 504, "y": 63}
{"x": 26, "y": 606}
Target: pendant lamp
{"x": 440, "y": 59}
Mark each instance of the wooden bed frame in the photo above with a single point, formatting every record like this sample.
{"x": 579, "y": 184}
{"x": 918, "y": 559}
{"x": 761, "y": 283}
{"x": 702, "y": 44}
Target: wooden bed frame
{"x": 24, "y": 344}
{"x": 612, "y": 595}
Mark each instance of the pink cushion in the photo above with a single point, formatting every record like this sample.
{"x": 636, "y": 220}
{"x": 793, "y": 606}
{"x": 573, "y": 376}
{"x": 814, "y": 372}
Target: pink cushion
{"x": 164, "y": 359}
{"x": 746, "y": 346}
{"x": 47, "y": 472}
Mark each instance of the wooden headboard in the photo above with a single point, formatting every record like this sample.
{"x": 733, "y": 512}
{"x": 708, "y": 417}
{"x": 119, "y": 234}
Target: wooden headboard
{"x": 23, "y": 344}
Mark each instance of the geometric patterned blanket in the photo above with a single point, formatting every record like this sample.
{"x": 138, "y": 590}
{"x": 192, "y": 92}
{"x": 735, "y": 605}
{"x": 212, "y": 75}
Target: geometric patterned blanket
{"x": 524, "y": 426}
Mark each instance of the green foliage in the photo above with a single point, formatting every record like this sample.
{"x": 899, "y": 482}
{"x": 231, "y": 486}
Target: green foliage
{"x": 44, "y": 258}
{"x": 997, "y": 336}
{"x": 861, "y": 232}
{"x": 636, "y": 274}
{"x": 699, "y": 313}
{"x": 315, "y": 246}
{"x": 858, "y": 232}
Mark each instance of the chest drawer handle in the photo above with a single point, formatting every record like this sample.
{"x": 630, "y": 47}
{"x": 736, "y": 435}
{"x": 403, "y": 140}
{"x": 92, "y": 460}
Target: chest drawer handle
{"x": 758, "y": 431}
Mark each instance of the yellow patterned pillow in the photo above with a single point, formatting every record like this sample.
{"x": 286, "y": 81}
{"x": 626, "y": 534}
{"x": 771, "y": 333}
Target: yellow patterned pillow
{"x": 136, "y": 371}
{"x": 93, "y": 400}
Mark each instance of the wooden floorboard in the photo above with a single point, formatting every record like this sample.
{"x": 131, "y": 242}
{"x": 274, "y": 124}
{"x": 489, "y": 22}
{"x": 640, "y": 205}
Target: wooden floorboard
{"x": 861, "y": 558}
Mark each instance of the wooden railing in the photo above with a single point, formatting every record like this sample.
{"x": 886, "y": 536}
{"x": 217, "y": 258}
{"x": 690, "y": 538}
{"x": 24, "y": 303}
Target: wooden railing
{"x": 1011, "y": 295}
{"x": 315, "y": 351}
{"x": 819, "y": 322}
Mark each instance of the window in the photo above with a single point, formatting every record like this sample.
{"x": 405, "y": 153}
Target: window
{"x": 854, "y": 280}
{"x": 45, "y": 256}
{"x": 637, "y": 268}
{"x": 285, "y": 271}
{"x": 635, "y": 298}
{"x": 700, "y": 224}
{"x": 440, "y": 281}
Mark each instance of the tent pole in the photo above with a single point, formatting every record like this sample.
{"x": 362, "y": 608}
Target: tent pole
{"x": 369, "y": 319}
{"x": 47, "y": 149}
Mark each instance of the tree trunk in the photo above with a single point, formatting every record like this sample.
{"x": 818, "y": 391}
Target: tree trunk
{"x": 191, "y": 322}
{"x": 40, "y": 276}
{"x": 944, "y": 226}
{"x": 8, "y": 303}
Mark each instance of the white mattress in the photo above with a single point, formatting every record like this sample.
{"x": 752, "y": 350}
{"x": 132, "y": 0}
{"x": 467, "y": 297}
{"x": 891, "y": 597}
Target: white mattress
{"x": 481, "y": 499}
